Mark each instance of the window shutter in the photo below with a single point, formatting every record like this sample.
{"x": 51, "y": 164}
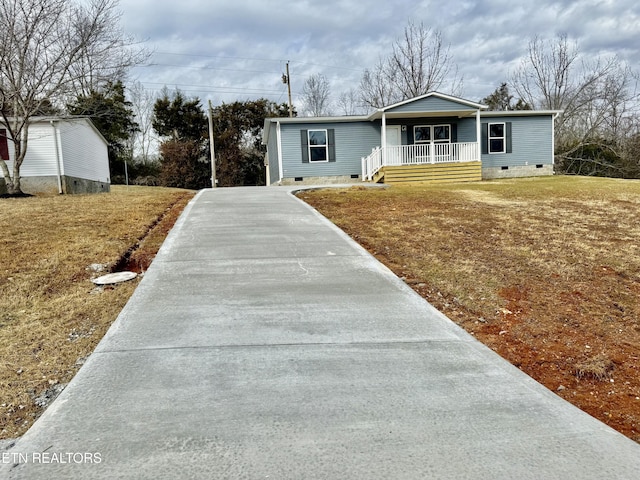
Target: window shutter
{"x": 484, "y": 140}
{"x": 4, "y": 146}
{"x": 410, "y": 140}
{"x": 304, "y": 142}
{"x": 331, "y": 143}
{"x": 454, "y": 133}
{"x": 507, "y": 134}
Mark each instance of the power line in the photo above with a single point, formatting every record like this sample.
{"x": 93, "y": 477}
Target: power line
{"x": 246, "y": 92}
{"x": 216, "y": 87}
{"x": 281, "y": 61}
{"x": 207, "y": 68}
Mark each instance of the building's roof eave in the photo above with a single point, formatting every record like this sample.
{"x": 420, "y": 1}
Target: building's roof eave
{"x": 520, "y": 113}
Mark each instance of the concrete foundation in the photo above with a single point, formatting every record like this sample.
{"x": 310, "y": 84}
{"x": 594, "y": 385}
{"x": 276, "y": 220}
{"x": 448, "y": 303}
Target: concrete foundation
{"x": 49, "y": 185}
{"x": 320, "y": 180}
{"x": 489, "y": 173}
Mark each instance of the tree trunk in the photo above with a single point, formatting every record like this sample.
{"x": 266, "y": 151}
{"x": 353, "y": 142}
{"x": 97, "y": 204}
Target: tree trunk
{"x": 13, "y": 187}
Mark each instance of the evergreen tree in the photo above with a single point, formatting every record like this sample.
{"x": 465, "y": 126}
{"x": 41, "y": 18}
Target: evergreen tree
{"x": 184, "y": 157}
{"x": 501, "y": 99}
{"x": 238, "y": 140}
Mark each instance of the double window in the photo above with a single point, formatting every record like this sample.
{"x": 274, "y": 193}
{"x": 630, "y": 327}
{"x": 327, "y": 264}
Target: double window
{"x": 432, "y": 133}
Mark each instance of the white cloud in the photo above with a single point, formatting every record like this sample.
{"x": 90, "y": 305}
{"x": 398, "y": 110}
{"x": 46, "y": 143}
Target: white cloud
{"x": 244, "y": 44}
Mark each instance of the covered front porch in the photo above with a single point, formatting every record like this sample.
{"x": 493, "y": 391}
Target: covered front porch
{"x": 430, "y": 156}
{"x": 433, "y": 137}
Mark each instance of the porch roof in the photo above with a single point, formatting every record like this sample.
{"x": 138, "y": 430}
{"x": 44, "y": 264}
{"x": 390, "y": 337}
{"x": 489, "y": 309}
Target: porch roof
{"x": 450, "y": 106}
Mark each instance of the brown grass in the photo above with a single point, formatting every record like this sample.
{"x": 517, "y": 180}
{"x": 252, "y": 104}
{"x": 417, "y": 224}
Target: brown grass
{"x": 51, "y": 315}
{"x": 544, "y": 271}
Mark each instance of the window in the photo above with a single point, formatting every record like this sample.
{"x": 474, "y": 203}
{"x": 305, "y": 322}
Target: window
{"x": 4, "y": 147}
{"x": 318, "y": 146}
{"x": 421, "y": 134}
{"x": 442, "y": 133}
{"x": 497, "y": 138}
{"x": 432, "y": 133}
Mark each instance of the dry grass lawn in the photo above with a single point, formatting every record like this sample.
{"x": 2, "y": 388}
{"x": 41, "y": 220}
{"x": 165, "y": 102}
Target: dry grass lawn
{"x": 544, "y": 271}
{"x": 51, "y": 315}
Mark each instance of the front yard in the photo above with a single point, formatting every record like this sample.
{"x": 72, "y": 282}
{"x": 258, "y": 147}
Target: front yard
{"x": 544, "y": 271}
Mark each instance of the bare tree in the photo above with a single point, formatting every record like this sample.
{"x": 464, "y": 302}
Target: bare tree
{"x": 420, "y": 62}
{"x": 144, "y": 140}
{"x": 349, "y": 103}
{"x": 315, "y": 95}
{"x": 597, "y": 97}
{"x": 47, "y": 49}
{"x": 377, "y": 86}
{"x": 554, "y": 76}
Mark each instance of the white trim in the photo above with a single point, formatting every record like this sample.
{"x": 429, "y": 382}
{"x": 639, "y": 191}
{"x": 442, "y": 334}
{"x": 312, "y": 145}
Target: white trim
{"x": 317, "y": 147}
{"x": 520, "y": 113}
{"x": 384, "y": 137}
{"x": 479, "y": 132}
{"x": 504, "y": 138}
{"x": 58, "y": 153}
{"x": 432, "y": 137}
{"x": 553, "y": 140}
{"x": 267, "y": 173}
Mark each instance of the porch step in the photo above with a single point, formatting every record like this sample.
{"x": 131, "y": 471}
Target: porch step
{"x": 442, "y": 173}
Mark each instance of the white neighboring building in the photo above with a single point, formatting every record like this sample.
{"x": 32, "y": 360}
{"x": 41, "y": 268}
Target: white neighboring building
{"x": 64, "y": 155}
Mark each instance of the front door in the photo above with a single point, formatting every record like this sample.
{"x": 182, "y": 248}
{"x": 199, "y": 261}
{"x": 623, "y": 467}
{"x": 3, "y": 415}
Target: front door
{"x": 393, "y": 136}
{"x": 394, "y": 141}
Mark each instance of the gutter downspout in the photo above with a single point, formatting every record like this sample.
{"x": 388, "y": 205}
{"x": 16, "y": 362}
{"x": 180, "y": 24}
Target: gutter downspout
{"x": 279, "y": 145}
{"x": 56, "y": 144}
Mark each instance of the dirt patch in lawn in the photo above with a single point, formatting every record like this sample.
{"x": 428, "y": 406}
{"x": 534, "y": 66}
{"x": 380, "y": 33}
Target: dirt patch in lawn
{"x": 545, "y": 271}
{"x": 51, "y": 314}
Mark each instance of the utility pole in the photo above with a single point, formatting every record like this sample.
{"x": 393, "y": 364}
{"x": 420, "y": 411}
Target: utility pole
{"x": 287, "y": 79}
{"x": 214, "y": 180}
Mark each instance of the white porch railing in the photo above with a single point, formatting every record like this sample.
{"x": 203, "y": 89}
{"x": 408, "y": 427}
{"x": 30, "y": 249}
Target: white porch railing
{"x": 418, "y": 155}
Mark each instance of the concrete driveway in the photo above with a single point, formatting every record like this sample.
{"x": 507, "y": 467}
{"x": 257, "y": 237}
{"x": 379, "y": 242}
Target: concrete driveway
{"x": 264, "y": 343}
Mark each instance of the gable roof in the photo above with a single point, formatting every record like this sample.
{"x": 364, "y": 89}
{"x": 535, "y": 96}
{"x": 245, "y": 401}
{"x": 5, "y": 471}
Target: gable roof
{"x": 442, "y": 96}
{"x": 433, "y": 103}
{"x": 66, "y": 118}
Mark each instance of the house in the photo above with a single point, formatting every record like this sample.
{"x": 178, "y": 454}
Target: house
{"x": 434, "y": 137}
{"x": 64, "y": 155}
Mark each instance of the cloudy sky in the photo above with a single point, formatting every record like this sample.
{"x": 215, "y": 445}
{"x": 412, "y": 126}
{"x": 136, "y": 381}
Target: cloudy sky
{"x": 227, "y": 50}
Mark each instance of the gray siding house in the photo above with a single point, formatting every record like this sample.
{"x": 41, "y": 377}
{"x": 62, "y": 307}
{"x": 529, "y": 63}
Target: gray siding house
{"x": 434, "y": 137}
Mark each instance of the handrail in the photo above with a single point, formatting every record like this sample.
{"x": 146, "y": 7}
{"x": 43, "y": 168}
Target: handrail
{"x": 419, "y": 154}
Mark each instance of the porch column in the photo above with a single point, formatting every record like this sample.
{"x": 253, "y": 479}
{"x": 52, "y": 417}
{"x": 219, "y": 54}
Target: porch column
{"x": 384, "y": 138}
{"x": 478, "y": 133}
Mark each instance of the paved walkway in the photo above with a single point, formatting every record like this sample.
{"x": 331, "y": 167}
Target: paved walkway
{"x": 264, "y": 343}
